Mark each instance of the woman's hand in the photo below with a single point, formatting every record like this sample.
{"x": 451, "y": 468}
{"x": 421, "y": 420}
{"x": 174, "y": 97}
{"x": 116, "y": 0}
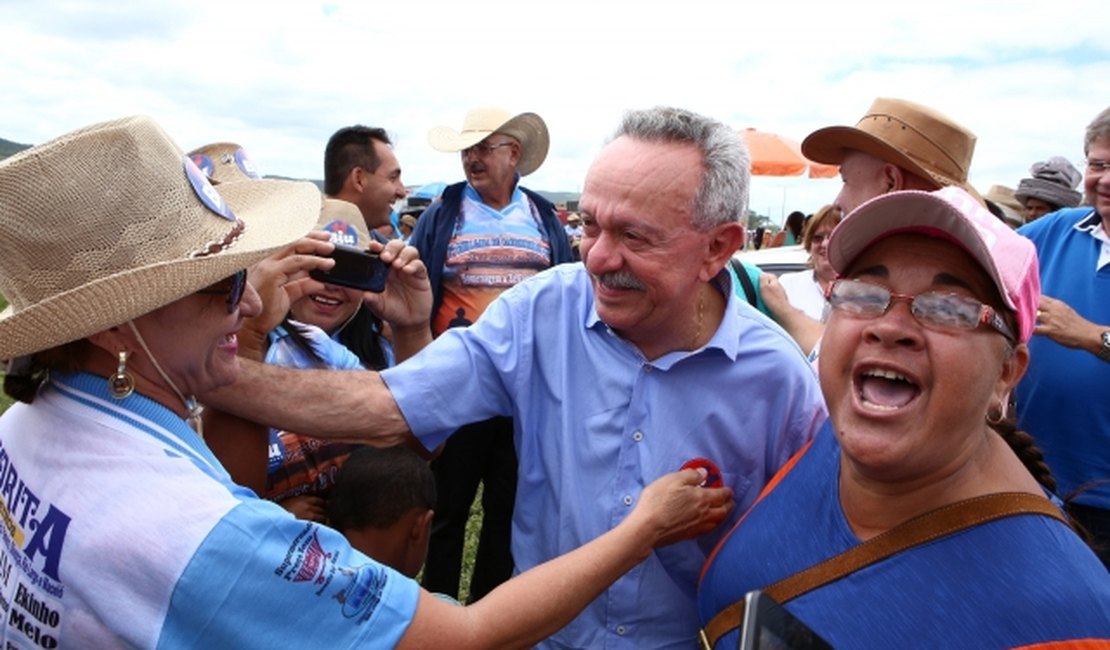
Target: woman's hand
{"x": 282, "y": 279}
{"x": 307, "y": 507}
{"x": 676, "y": 507}
{"x": 407, "y": 299}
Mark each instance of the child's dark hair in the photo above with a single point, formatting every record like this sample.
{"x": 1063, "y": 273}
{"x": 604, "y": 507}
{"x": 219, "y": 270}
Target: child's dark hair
{"x": 377, "y": 486}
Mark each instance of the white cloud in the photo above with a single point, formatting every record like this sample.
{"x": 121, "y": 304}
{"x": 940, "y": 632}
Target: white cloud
{"x": 280, "y": 78}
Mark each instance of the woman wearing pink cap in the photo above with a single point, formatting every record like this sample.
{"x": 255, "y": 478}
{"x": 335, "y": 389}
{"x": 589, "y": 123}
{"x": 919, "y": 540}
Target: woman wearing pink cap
{"x": 945, "y": 531}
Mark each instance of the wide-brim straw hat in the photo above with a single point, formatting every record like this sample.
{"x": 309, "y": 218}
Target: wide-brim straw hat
{"x": 224, "y": 162}
{"x": 529, "y": 130}
{"x": 113, "y": 221}
{"x": 911, "y": 136}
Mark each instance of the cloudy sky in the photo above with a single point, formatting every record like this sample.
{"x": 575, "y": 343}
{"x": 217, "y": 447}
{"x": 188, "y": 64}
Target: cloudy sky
{"x": 279, "y": 78}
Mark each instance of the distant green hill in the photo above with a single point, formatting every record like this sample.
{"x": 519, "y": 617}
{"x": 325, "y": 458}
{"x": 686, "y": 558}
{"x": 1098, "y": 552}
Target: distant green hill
{"x": 7, "y": 148}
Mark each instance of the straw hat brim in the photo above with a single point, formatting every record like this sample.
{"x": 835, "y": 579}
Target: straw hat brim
{"x": 274, "y": 214}
{"x": 528, "y": 129}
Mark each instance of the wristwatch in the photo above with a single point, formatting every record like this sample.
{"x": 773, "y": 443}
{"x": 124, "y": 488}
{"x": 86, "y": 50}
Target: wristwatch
{"x": 1104, "y": 352}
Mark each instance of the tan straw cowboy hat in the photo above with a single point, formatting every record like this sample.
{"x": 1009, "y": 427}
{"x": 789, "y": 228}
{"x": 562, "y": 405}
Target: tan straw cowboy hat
{"x": 224, "y": 162}
{"x": 529, "y": 130}
{"x": 113, "y": 221}
{"x": 911, "y": 136}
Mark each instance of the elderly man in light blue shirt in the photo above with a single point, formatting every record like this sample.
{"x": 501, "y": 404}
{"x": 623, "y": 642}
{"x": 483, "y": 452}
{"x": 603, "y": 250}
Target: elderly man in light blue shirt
{"x": 636, "y": 362}
{"x": 622, "y": 369}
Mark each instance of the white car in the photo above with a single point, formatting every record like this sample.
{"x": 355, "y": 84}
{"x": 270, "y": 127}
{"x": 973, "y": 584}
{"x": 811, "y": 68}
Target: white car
{"x": 777, "y": 260}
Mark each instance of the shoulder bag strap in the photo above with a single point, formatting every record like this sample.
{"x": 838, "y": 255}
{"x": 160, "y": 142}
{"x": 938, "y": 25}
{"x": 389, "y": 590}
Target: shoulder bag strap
{"x": 745, "y": 281}
{"x": 924, "y": 528}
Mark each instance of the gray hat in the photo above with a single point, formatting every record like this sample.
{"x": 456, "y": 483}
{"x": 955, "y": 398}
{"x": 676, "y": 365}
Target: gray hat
{"x": 1054, "y": 182}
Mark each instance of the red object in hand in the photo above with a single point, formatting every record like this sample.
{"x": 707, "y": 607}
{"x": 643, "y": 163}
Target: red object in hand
{"x": 713, "y": 476}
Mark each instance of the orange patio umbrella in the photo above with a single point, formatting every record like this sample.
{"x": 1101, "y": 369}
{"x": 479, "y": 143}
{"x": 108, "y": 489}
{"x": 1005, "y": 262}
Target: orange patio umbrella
{"x": 776, "y": 155}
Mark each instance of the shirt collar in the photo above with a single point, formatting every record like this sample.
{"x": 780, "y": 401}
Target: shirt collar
{"x": 1093, "y": 226}
{"x": 141, "y": 416}
{"x": 517, "y": 197}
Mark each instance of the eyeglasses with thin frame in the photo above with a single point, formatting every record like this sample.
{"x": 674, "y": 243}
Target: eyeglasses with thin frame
{"x": 1096, "y": 166}
{"x": 483, "y": 149}
{"x": 233, "y": 286}
{"x": 935, "y": 309}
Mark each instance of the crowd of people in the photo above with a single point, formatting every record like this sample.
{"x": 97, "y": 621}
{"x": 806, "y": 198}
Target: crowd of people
{"x": 222, "y": 441}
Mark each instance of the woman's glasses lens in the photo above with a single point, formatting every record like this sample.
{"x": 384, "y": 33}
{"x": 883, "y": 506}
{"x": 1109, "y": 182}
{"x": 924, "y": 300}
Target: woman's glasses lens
{"x": 943, "y": 310}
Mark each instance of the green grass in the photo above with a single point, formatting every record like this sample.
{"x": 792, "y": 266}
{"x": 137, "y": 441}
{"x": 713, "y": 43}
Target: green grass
{"x": 470, "y": 546}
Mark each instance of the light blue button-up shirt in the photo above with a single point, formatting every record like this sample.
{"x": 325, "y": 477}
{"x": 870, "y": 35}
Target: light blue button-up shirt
{"x": 595, "y": 422}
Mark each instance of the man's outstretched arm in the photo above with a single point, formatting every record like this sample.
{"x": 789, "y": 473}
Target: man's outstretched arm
{"x": 351, "y": 405}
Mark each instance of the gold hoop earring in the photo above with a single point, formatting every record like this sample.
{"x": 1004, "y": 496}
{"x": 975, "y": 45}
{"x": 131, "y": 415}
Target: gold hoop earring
{"x": 995, "y": 420}
{"x": 121, "y": 384}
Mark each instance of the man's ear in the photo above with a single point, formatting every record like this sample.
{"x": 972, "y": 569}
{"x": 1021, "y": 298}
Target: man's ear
{"x": 421, "y": 528}
{"x": 893, "y": 178}
{"x": 514, "y": 154}
{"x": 356, "y": 179}
{"x": 724, "y": 240}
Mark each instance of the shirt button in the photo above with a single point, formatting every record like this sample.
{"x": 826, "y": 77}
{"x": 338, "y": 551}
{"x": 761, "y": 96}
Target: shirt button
{"x": 638, "y": 436}
{"x": 620, "y": 630}
{"x": 627, "y": 500}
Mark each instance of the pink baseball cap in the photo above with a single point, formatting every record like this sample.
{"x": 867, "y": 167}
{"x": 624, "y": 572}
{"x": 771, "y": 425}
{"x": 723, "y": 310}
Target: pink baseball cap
{"x": 949, "y": 213}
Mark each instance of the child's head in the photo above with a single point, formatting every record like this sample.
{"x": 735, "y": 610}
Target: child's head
{"x": 382, "y": 502}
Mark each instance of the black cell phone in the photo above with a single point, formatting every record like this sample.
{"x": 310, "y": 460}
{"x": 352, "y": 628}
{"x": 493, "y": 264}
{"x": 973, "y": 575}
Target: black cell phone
{"x": 768, "y": 625}
{"x": 355, "y": 268}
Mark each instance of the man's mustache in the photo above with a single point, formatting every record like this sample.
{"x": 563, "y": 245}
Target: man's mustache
{"x": 620, "y": 280}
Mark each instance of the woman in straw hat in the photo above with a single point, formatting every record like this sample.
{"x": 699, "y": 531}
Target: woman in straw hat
{"x": 125, "y": 272}
{"x": 944, "y": 530}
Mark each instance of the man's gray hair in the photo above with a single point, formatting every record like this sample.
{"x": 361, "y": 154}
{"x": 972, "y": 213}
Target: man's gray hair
{"x": 1098, "y": 129}
{"x": 723, "y": 194}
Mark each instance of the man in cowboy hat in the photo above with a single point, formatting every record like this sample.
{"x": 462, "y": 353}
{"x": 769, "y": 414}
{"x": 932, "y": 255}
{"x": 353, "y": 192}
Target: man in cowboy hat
{"x": 483, "y": 236}
{"x": 360, "y": 168}
{"x": 897, "y": 145}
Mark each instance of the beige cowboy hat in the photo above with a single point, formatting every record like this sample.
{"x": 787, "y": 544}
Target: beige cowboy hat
{"x": 224, "y": 162}
{"x": 527, "y": 128}
{"x": 911, "y": 136}
{"x": 113, "y": 221}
